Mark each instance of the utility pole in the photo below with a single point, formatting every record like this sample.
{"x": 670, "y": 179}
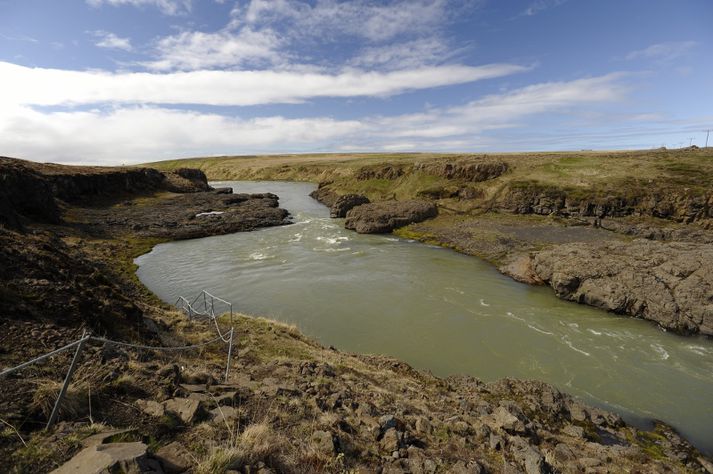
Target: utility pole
{"x": 690, "y": 142}
{"x": 708, "y": 132}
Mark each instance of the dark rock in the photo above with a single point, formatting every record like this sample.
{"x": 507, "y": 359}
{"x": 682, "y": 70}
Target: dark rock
{"x": 668, "y": 283}
{"x": 346, "y": 203}
{"x": 474, "y": 169}
{"x": 324, "y": 195}
{"x": 383, "y": 217}
{"x": 174, "y": 458}
{"x": 386, "y": 171}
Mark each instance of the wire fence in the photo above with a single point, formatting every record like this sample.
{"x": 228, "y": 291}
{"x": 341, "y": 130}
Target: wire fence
{"x": 208, "y": 302}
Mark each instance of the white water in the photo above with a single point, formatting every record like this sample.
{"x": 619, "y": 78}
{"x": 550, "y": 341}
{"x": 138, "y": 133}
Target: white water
{"x": 440, "y": 311}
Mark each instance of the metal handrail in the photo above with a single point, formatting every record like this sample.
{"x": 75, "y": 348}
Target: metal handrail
{"x": 189, "y": 307}
{"x": 182, "y": 303}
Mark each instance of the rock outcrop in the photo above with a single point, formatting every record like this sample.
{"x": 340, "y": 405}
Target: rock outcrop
{"x": 385, "y": 171}
{"x": 324, "y": 195}
{"x": 130, "y": 458}
{"x": 533, "y": 198}
{"x": 668, "y": 283}
{"x": 383, "y": 217}
{"x": 469, "y": 169}
{"x": 33, "y": 189}
{"x": 472, "y": 170}
{"x": 346, "y": 203}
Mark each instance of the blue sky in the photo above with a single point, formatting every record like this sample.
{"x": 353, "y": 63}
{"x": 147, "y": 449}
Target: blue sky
{"x": 128, "y": 81}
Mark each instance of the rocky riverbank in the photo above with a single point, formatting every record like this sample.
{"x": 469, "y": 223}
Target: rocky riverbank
{"x": 290, "y": 405}
{"x": 640, "y": 249}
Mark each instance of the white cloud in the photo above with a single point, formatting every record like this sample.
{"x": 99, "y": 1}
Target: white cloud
{"x": 362, "y": 18}
{"x": 140, "y": 134}
{"x": 506, "y": 110}
{"x": 169, "y": 7}
{"x": 132, "y": 135}
{"x": 408, "y": 54}
{"x": 280, "y": 33}
{"x": 540, "y": 5}
{"x": 109, "y": 40}
{"x": 663, "y": 51}
{"x": 197, "y": 50}
{"x": 51, "y": 87}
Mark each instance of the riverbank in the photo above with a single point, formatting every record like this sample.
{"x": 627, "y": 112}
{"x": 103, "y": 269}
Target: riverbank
{"x": 291, "y": 405}
{"x": 628, "y": 232}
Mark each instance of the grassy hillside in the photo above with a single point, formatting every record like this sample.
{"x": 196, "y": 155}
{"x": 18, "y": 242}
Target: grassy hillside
{"x": 622, "y": 178}
{"x": 577, "y": 169}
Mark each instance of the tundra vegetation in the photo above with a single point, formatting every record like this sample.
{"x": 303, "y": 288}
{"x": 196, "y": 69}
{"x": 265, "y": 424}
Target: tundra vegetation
{"x": 68, "y": 237}
{"x": 627, "y": 231}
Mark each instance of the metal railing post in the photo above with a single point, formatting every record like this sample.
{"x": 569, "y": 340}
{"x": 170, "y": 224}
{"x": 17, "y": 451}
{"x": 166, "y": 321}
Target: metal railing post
{"x": 67, "y": 380}
{"x": 230, "y": 353}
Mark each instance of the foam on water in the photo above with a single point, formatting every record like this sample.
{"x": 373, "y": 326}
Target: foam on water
{"x": 380, "y": 294}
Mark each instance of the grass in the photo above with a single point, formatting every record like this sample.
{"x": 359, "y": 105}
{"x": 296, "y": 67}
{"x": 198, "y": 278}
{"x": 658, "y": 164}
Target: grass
{"x": 597, "y": 177}
{"x": 559, "y": 168}
{"x": 257, "y": 443}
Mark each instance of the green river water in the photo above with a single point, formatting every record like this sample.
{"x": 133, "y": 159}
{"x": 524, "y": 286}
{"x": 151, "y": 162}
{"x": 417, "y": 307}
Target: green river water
{"x": 440, "y": 311}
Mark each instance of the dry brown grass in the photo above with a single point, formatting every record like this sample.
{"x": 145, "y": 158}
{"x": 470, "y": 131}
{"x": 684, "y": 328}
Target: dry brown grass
{"x": 257, "y": 443}
{"x": 74, "y": 404}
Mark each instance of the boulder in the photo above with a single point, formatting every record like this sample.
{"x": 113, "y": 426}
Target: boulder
{"x": 129, "y": 458}
{"x": 151, "y": 407}
{"x": 391, "y": 441}
{"x": 174, "y": 458}
{"x": 323, "y": 442}
{"x": 383, "y": 217}
{"x": 503, "y": 418}
{"x": 186, "y": 408}
{"x": 346, "y": 203}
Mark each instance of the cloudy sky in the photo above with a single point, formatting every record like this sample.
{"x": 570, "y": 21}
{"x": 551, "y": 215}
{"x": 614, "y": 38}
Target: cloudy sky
{"x": 129, "y": 81}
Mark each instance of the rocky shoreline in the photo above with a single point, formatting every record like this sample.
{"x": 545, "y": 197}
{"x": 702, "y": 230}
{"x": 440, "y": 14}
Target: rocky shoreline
{"x": 640, "y": 252}
{"x": 291, "y": 405}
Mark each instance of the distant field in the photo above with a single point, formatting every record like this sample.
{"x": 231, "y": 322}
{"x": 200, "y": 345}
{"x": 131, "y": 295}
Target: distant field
{"x": 615, "y": 171}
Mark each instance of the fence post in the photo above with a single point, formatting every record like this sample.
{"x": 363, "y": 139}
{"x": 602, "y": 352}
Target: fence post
{"x": 230, "y": 352}
{"x": 67, "y": 380}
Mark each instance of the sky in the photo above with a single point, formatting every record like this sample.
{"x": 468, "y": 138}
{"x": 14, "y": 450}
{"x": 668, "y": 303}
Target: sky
{"x": 130, "y": 81}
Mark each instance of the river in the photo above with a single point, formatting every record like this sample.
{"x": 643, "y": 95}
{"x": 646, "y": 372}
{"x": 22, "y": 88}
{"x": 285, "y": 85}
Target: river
{"x": 440, "y": 311}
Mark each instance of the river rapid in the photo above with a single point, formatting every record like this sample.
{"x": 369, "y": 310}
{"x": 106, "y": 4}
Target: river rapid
{"x": 440, "y": 311}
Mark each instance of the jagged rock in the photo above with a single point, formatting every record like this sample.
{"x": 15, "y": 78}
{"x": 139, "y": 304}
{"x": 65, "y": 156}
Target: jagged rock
{"x": 324, "y": 195}
{"x": 151, "y": 407}
{"x": 346, "y": 203}
{"x": 423, "y": 426}
{"x": 473, "y": 169}
{"x": 383, "y": 217}
{"x": 527, "y": 455}
{"x": 504, "y": 419}
{"x": 573, "y": 431}
{"x": 668, "y": 283}
{"x": 391, "y": 441}
{"x": 323, "y": 441}
{"x": 174, "y": 458}
{"x": 187, "y": 409}
{"x": 129, "y": 458}
{"x": 385, "y": 171}
{"x": 387, "y": 422}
